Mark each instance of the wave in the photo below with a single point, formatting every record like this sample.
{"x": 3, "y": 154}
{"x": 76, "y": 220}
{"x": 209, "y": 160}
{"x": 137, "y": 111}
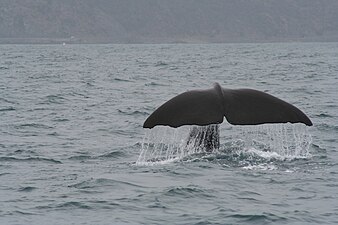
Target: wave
{"x": 324, "y": 115}
{"x": 122, "y": 80}
{"x": 20, "y": 212}
{"x": 7, "y": 101}
{"x": 80, "y": 157}
{"x": 27, "y": 189}
{"x": 7, "y": 109}
{"x": 89, "y": 205}
{"x": 189, "y": 191}
{"x": 327, "y": 127}
{"x": 155, "y": 84}
{"x": 33, "y": 125}
{"x": 29, "y": 159}
{"x": 113, "y": 154}
{"x": 161, "y": 63}
{"x": 101, "y": 182}
{"x": 73, "y": 204}
{"x": 258, "y": 218}
{"x": 54, "y": 99}
{"x": 3, "y": 174}
{"x": 133, "y": 112}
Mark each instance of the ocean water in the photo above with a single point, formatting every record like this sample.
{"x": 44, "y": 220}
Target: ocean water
{"x": 73, "y": 150}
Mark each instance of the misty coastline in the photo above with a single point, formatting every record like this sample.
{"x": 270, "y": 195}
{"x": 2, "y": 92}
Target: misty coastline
{"x": 150, "y": 21}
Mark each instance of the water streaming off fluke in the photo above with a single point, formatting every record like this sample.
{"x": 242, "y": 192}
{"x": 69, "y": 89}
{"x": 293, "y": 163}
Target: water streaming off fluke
{"x": 280, "y": 141}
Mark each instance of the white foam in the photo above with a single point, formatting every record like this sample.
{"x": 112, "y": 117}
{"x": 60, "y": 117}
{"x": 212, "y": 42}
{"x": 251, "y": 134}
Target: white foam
{"x": 260, "y": 167}
{"x": 275, "y": 155}
{"x": 263, "y": 154}
{"x": 163, "y": 162}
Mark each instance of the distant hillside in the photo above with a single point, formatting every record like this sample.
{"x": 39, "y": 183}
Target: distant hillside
{"x": 156, "y": 21}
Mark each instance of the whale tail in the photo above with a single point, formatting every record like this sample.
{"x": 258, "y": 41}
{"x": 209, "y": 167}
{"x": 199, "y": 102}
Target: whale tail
{"x": 238, "y": 106}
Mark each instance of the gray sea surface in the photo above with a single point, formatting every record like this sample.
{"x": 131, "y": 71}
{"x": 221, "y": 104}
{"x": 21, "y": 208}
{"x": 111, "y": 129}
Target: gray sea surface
{"x": 73, "y": 150}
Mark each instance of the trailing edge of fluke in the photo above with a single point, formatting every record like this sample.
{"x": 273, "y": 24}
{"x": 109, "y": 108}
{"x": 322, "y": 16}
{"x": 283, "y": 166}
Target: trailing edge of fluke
{"x": 238, "y": 106}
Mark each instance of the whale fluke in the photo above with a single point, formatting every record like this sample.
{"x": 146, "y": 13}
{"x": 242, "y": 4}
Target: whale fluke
{"x": 238, "y": 106}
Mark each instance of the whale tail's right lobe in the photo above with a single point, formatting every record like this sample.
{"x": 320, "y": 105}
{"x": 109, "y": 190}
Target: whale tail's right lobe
{"x": 252, "y": 107}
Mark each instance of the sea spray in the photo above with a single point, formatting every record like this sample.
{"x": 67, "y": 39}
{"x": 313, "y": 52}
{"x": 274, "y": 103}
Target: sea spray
{"x": 281, "y": 141}
{"x": 285, "y": 140}
{"x": 165, "y": 144}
